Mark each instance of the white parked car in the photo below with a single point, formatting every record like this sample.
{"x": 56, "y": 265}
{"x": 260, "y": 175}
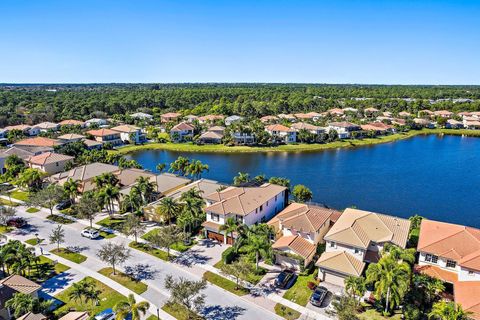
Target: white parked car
{"x": 90, "y": 233}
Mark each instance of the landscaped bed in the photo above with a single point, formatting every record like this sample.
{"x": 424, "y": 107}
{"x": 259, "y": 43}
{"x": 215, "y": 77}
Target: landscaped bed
{"x": 372, "y": 314}
{"x": 112, "y": 223}
{"x": 34, "y": 241}
{"x": 32, "y": 210}
{"x": 59, "y": 219}
{"x": 69, "y": 255}
{"x": 19, "y": 195}
{"x": 254, "y": 277}
{"x": 5, "y": 202}
{"x": 286, "y": 312}
{"x": 148, "y": 249}
{"x": 125, "y": 280}
{"x": 224, "y": 283}
{"x": 299, "y": 292}
{"x": 45, "y": 269}
{"x": 107, "y": 299}
{"x": 5, "y": 229}
{"x": 179, "y": 246}
{"x": 178, "y": 312}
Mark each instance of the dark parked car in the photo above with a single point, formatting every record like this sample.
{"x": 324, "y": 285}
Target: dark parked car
{"x": 318, "y": 296}
{"x": 63, "y": 205}
{"x": 285, "y": 279}
{"x": 16, "y": 222}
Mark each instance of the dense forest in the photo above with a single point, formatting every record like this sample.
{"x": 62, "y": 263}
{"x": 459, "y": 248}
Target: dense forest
{"x": 36, "y": 103}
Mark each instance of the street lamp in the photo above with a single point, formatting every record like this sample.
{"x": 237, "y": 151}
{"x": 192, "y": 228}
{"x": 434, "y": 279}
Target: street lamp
{"x": 158, "y": 314}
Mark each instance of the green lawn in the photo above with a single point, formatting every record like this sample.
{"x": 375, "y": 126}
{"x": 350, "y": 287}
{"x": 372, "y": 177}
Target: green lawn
{"x": 106, "y": 235}
{"x": 151, "y": 251}
{"x": 372, "y": 314}
{"x": 5, "y": 202}
{"x": 152, "y": 317}
{"x": 59, "y": 219}
{"x": 108, "y": 298}
{"x": 126, "y": 281}
{"x": 286, "y": 312}
{"x": 178, "y": 312}
{"x": 5, "y": 229}
{"x": 32, "y": 210}
{"x": 179, "y": 246}
{"x": 224, "y": 283}
{"x": 19, "y": 195}
{"x": 33, "y": 241}
{"x": 299, "y": 292}
{"x": 45, "y": 269}
{"x": 69, "y": 255}
{"x": 115, "y": 224}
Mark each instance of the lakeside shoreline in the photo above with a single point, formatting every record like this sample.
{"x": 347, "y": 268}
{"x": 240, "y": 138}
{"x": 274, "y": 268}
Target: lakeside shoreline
{"x": 301, "y": 147}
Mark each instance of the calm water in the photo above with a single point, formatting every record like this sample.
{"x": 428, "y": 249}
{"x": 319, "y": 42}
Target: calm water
{"x": 437, "y": 177}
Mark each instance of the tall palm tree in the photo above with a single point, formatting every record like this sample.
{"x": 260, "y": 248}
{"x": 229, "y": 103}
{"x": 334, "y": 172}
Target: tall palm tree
{"x": 110, "y": 195}
{"x": 167, "y": 209}
{"x": 105, "y": 179}
{"x": 240, "y": 178}
{"x": 71, "y": 188}
{"x": 260, "y": 246}
{"x": 136, "y": 309}
{"x": 230, "y": 226}
{"x": 196, "y": 168}
{"x": 146, "y": 188}
{"x": 397, "y": 253}
{"x": 160, "y": 167}
{"x": 391, "y": 279}
{"x": 356, "y": 286}
{"x": 443, "y": 310}
{"x": 20, "y": 303}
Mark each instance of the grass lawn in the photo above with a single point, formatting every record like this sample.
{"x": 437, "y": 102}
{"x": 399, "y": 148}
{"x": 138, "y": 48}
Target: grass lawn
{"x": 372, "y": 314}
{"x": 19, "y": 195}
{"x": 179, "y": 246}
{"x": 59, "y": 219}
{"x": 33, "y": 241}
{"x": 151, "y": 251}
{"x": 286, "y": 312}
{"x": 115, "y": 224}
{"x": 32, "y": 210}
{"x": 5, "y": 229}
{"x": 108, "y": 298}
{"x": 5, "y": 202}
{"x": 69, "y": 255}
{"x": 224, "y": 283}
{"x": 106, "y": 235}
{"x": 178, "y": 312}
{"x": 253, "y": 277}
{"x": 125, "y": 280}
{"x": 299, "y": 292}
{"x": 152, "y": 317}
{"x": 45, "y": 269}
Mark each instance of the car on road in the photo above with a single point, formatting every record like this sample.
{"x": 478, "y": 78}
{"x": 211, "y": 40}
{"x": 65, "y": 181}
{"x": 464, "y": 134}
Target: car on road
{"x": 63, "y": 205}
{"x": 318, "y": 296}
{"x": 107, "y": 314}
{"x": 285, "y": 279}
{"x": 16, "y": 222}
{"x": 90, "y": 233}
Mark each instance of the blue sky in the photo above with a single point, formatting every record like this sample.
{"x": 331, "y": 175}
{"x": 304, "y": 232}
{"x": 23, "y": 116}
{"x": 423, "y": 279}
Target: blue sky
{"x": 389, "y": 42}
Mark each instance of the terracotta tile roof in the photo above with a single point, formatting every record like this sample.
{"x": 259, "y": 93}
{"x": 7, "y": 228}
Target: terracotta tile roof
{"x": 211, "y": 225}
{"x": 129, "y": 176}
{"x": 268, "y": 118}
{"x": 171, "y": 115}
{"x": 48, "y": 157}
{"x": 358, "y": 228}
{"x": 467, "y": 294}
{"x": 376, "y": 126}
{"x": 210, "y": 135}
{"x": 71, "y": 122}
{"x": 216, "y": 128}
{"x": 75, "y": 315}
{"x": 336, "y": 111}
{"x": 20, "y": 284}
{"x": 126, "y": 128}
{"x": 371, "y": 110}
{"x": 102, "y": 132}
{"x": 38, "y": 142}
{"x": 182, "y": 127}
{"x": 437, "y": 272}
{"x": 91, "y": 143}
{"x": 32, "y": 316}
{"x": 242, "y": 200}
{"x": 302, "y": 116}
{"x": 443, "y": 113}
{"x": 71, "y": 136}
{"x": 278, "y": 127}
{"x": 21, "y": 127}
{"x": 344, "y": 124}
{"x": 85, "y": 172}
{"x": 314, "y": 114}
{"x": 46, "y": 125}
{"x": 451, "y": 241}
{"x": 211, "y": 117}
{"x": 342, "y": 262}
{"x": 305, "y": 126}
{"x": 297, "y": 244}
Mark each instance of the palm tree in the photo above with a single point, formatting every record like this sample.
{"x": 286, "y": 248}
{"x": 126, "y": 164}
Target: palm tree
{"x": 230, "y": 226}
{"x": 180, "y": 166}
{"x": 124, "y": 308}
{"x": 105, "y": 179}
{"x": 146, "y": 188}
{"x": 391, "y": 279}
{"x": 355, "y": 286}
{"x": 71, "y": 188}
{"x": 397, "y": 253}
{"x": 110, "y": 195}
{"x": 242, "y": 177}
{"x": 20, "y": 303}
{"x": 30, "y": 179}
{"x": 260, "y": 246}
{"x": 167, "y": 209}
{"x": 196, "y": 168}
{"x": 443, "y": 310}
{"x": 160, "y": 167}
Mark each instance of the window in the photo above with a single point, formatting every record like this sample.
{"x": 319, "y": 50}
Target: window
{"x": 239, "y": 219}
{"x": 261, "y": 208}
{"x": 451, "y": 264}
{"x": 471, "y": 273}
{"x": 215, "y": 217}
{"x": 267, "y": 203}
{"x": 276, "y": 198}
{"x": 357, "y": 251}
{"x": 332, "y": 244}
{"x": 431, "y": 258}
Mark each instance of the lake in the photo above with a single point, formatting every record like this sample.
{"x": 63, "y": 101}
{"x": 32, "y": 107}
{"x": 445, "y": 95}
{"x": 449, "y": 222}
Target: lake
{"x": 435, "y": 176}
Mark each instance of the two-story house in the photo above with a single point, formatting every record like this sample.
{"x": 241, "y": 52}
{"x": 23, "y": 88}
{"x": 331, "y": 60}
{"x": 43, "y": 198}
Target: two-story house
{"x": 298, "y": 230}
{"x": 12, "y": 285}
{"x": 106, "y": 136}
{"x": 130, "y": 134}
{"x": 344, "y": 129}
{"x": 182, "y": 132}
{"x": 281, "y": 132}
{"x": 47, "y": 126}
{"x": 170, "y": 117}
{"x": 49, "y": 162}
{"x": 355, "y": 239}
{"x": 451, "y": 253}
{"x": 316, "y": 130}
{"x": 247, "y": 205}
{"x": 26, "y": 129}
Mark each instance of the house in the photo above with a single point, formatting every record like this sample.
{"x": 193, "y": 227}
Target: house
{"x": 453, "y": 124}
{"x": 71, "y": 122}
{"x": 182, "y": 132}
{"x": 71, "y": 137}
{"x": 170, "y": 117}
{"x": 443, "y": 114}
{"x": 22, "y": 153}
{"x": 84, "y": 174}
{"x": 47, "y": 126}
{"x": 49, "y": 162}
{"x": 210, "y": 137}
{"x": 343, "y": 129}
{"x": 424, "y": 123}
{"x": 96, "y": 122}
{"x": 378, "y": 128}
{"x": 204, "y": 186}
{"x": 269, "y": 119}
{"x": 76, "y": 315}
{"x": 288, "y": 117}
{"x": 26, "y": 129}
{"x": 210, "y": 118}
{"x": 355, "y": 239}
{"x": 371, "y": 112}
{"x": 190, "y": 118}
{"x": 141, "y": 116}
{"x": 471, "y": 124}
{"x": 106, "y": 136}
{"x": 15, "y": 284}
{"x": 232, "y": 119}
{"x": 130, "y": 134}
{"x": 425, "y": 113}
{"x": 451, "y": 253}
{"x": 404, "y": 114}
{"x": 309, "y": 127}
{"x": 281, "y": 132}
{"x": 38, "y": 142}
{"x": 336, "y": 112}
{"x": 298, "y": 230}
{"x": 32, "y": 316}
{"x": 314, "y": 116}
{"x": 302, "y": 116}
{"x": 247, "y": 205}
{"x": 243, "y": 138}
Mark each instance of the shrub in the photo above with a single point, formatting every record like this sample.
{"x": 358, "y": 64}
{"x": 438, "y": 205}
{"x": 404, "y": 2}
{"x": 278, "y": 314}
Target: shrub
{"x": 311, "y": 285}
{"x": 228, "y": 255}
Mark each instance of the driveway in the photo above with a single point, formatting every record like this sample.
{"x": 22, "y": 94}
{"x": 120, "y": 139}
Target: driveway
{"x": 60, "y": 282}
{"x": 206, "y": 251}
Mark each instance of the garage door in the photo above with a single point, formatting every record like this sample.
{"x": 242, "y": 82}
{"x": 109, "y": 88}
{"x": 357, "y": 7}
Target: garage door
{"x": 215, "y": 236}
{"x": 333, "y": 279}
